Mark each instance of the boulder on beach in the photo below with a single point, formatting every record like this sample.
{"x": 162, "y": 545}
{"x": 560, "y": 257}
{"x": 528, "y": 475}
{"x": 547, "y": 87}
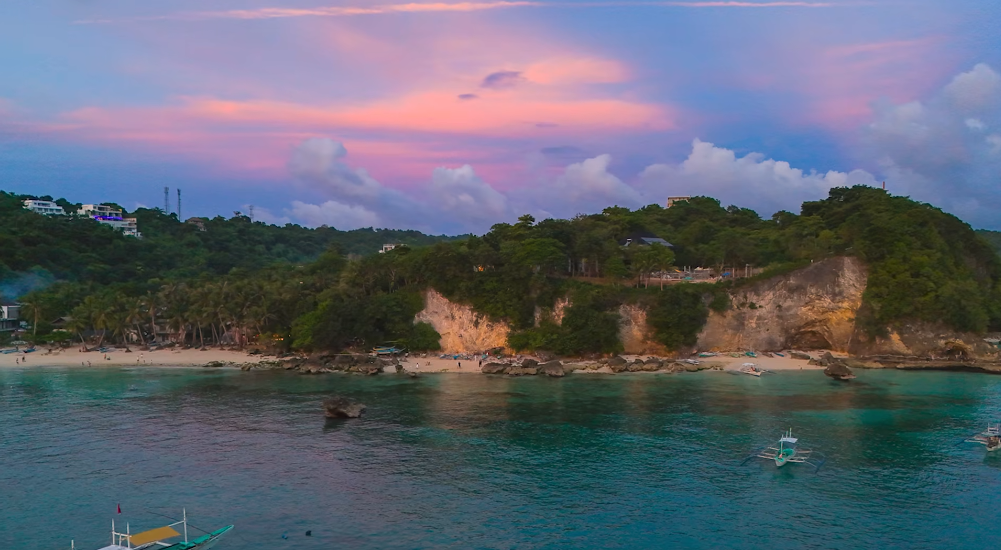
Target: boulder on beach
{"x": 493, "y": 368}
{"x": 342, "y": 407}
{"x": 616, "y": 361}
{"x": 552, "y": 368}
{"x": 800, "y": 355}
{"x": 529, "y": 363}
{"x": 522, "y": 371}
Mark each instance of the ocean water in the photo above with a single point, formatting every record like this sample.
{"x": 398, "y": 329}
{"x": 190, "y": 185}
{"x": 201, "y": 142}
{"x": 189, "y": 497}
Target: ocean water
{"x": 462, "y": 461}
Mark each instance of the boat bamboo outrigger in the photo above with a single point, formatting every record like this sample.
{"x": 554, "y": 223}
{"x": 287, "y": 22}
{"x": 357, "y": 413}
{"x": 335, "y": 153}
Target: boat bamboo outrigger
{"x": 156, "y": 538}
{"x": 990, "y": 438}
{"x": 786, "y": 452}
{"x": 752, "y": 369}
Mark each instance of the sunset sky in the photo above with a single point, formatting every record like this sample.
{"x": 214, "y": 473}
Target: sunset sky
{"x": 452, "y": 116}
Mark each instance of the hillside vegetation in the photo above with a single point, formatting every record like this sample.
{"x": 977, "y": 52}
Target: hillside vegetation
{"x": 924, "y": 265}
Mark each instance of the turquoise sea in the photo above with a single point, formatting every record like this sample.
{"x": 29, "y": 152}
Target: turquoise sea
{"x": 467, "y": 461}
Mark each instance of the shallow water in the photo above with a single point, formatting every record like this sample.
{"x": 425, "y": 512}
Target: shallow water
{"x": 464, "y": 461}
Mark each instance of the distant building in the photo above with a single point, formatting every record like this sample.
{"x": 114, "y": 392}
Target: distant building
{"x": 9, "y": 318}
{"x": 644, "y": 238}
{"x": 45, "y": 208}
{"x": 197, "y": 222}
{"x": 109, "y": 216}
{"x": 388, "y": 247}
{"x": 671, "y": 201}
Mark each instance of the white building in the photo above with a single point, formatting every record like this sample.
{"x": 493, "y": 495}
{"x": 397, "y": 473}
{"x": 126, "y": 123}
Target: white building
{"x": 45, "y": 208}
{"x": 9, "y": 318}
{"x": 671, "y": 201}
{"x": 388, "y": 247}
{"x": 109, "y": 216}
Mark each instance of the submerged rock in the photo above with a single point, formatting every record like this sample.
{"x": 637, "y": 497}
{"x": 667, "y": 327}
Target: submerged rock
{"x": 342, "y": 407}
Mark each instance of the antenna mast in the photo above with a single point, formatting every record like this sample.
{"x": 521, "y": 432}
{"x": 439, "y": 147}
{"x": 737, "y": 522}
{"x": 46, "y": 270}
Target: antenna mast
{"x": 178, "y": 204}
{"x": 166, "y": 200}
{"x": 251, "y": 212}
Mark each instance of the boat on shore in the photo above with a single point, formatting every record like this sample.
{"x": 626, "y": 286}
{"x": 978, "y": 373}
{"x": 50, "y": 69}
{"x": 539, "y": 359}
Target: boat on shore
{"x": 752, "y": 369}
{"x": 157, "y": 539}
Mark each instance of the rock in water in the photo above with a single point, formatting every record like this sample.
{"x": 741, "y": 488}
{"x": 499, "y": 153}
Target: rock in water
{"x": 552, "y": 368}
{"x": 836, "y": 368}
{"x": 342, "y": 407}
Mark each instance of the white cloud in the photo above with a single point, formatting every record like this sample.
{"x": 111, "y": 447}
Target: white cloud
{"x": 319, "y": 160}
{"x": 335, "y": 214}
{"x": 975, "y": 90}
{"x": 935, "y": 150}
{"x": 460, "y": 193}
{"x": 752, "y": 180}
{"x": 265, "y": 215}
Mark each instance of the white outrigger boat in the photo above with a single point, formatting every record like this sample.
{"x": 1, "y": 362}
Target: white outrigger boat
{"x": 155, "y": 539}
{"x": 786, "y": 452}
{"x": 990, "y": 438}
{"x": 752, "y": 369}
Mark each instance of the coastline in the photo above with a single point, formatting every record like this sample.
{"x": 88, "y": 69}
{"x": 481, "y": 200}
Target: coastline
{"x": 136, "y": 358}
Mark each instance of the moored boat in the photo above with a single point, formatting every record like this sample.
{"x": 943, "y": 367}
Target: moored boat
{"x": 159, "y": 538}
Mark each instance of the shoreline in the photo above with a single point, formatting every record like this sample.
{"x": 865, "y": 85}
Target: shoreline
{"x": 234, "y": 359}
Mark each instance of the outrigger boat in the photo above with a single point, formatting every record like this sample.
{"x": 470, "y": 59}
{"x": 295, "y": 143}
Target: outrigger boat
{"x": 990, "y": 438}
{"x": 752, "y": 369}
{"x": 786, "y": 452}
{"x": 155, "y": 539}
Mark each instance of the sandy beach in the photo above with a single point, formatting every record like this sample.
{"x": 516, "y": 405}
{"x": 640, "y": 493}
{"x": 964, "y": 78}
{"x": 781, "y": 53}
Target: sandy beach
{"x": 120, "y": 358}
{"x": 725, "y": 362}
{"x": 195, "y": 358}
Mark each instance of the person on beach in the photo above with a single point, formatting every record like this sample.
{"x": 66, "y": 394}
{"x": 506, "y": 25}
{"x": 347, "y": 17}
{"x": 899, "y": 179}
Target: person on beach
{"x": 460, "y": 365}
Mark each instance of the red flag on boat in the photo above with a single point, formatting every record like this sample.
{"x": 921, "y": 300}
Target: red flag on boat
{"x": 119, "y": 508}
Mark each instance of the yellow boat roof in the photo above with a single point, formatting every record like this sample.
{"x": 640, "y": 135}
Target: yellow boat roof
{"x": 153, "y": 535}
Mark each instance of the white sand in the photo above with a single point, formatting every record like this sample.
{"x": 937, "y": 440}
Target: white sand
{"x": 120, "y": 358}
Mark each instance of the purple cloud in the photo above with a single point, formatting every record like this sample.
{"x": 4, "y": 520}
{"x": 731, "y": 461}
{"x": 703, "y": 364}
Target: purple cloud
{"x": 468, "y": 97}
{"x": 502, "y": 79}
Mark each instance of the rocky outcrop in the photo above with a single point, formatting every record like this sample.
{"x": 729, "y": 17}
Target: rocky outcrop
{"x": 924, "y": 341}
{"x": 552, "y": 368}
{"x": 835, "y": 368}
{"x": 635, "y": 334}
{"x": 493, "y": 368}
{"x": 342, "y": 407}
{"x": 811, "y": 308}
{"x": 462, "y": 330}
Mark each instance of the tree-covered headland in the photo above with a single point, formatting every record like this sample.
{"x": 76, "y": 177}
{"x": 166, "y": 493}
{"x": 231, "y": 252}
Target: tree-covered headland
{"x": 308, "y": 289}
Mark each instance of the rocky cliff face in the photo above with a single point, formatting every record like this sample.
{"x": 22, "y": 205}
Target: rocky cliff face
{"x": 922, "y": 340}
{"x": 462, "y": 329}
{"x": 635, "y": 334}
{"x": 811, "y": 308}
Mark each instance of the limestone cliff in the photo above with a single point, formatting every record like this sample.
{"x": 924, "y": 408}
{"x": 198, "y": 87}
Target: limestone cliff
{"x": 923, "y": 340}
{"x": 635, "y": 333}
{"x": 462, "y": 330}
{"x": 811, "y": 308}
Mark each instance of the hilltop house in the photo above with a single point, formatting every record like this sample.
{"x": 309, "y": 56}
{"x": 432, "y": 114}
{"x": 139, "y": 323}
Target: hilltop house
{"x": 45, "y": 208}
{"x": 110, "y": 216}
{"x": 643, "y": 238}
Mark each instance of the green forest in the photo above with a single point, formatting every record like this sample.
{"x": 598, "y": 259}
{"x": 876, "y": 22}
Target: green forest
{"x": 241, "y": 282}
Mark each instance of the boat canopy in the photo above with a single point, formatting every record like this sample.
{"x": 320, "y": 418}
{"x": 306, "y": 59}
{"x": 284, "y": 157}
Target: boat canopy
{"x": 788, "y": 439}
{"x": 153, "y": 535}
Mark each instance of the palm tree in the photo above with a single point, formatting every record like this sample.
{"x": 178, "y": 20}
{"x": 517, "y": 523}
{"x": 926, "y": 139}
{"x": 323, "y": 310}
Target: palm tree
{"x": 33, "y": 307}
{"x": 133, "y": 316}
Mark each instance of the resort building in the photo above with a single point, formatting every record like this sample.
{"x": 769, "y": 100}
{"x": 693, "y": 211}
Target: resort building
{"x": 388, "y": 247}
{"x": 9, "y": 318}
{"x": 644, "y": 238}
{"x": 45, "y": 208}
{"x": 110, "y": 216}
{"x": 671, "y": 201}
